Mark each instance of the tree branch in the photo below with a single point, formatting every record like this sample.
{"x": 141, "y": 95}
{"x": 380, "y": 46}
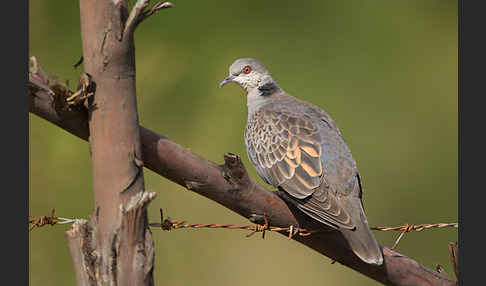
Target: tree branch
{"x": 230, "y": 185}
{"x": 138, "y": 13}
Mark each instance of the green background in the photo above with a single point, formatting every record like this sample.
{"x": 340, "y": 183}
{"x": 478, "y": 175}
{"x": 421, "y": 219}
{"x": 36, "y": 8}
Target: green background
{"x": 386, "y": 71}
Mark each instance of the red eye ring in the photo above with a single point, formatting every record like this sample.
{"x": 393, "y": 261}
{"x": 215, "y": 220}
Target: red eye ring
{"x": 246, "y": 70}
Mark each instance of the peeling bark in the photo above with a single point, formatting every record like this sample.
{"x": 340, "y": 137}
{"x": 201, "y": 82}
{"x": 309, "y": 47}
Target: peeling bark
{"x": 115, "y": 246}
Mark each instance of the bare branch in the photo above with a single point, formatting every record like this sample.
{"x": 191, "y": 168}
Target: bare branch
{"x": 135, "y": 15}
{"x": 230, "y": 185}
{"x": 138, "y": 13}
{"x": 157, "y": 7}
{"x": 79, "y": 62}
{"x": 38, "y": 80}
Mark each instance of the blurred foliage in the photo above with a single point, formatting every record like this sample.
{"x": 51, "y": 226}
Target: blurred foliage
{"x": 385, "y": 70}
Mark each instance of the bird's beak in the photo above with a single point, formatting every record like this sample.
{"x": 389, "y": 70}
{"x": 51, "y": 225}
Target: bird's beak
{"x": 227, "y": 80}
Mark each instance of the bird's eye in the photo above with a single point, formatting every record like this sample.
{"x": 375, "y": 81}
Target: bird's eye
{"x": 246, "y": 70}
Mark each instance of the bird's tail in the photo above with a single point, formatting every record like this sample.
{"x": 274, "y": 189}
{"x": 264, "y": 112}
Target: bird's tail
{"x": 361, "y": 240}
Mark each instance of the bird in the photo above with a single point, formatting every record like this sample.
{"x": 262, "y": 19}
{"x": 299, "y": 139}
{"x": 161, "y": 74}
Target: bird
{"x": 295, "y": 146}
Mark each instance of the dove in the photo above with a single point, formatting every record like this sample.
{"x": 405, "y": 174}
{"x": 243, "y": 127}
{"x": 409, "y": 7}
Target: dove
{"x": 296, "y": 147}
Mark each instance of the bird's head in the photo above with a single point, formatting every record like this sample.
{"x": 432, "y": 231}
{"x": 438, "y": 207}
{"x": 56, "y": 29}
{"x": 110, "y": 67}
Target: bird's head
{"x": 251, "y": 75}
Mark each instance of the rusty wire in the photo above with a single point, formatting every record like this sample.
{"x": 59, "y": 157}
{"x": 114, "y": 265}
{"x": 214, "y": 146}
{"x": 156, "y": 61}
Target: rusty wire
{"x": 168, "y": 224}
{"x": 47, "y": 220}
{"x": 412, "y": 227}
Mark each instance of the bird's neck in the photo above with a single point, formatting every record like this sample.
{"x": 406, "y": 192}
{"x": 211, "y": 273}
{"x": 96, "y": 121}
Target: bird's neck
{"x": 266, "y": 89}
{"x": 260, "y": 95}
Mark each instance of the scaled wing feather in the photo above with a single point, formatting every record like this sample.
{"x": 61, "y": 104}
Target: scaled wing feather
{"x": 286, "y": 150}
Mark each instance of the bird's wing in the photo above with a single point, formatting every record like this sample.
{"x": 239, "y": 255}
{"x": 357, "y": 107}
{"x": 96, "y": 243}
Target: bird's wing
{"x": 286, "y": 148}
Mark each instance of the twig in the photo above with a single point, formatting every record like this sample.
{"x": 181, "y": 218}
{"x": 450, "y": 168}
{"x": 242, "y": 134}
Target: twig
{"x": 137, "y": 15}
{"x": 79, "y": 62}
{"x": 38, "y": 80}
{"x": 61, "y": 95}
{"x": 84, "y": 91}
{"x": 158, "y": 6}
{"x": 134, "y": 17}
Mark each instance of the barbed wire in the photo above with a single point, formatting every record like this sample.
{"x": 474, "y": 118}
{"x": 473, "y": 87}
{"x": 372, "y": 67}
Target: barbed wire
{"x": 48, "y": 220}
{"x": 167, "y": 224}
{"x": 412, "y": 227}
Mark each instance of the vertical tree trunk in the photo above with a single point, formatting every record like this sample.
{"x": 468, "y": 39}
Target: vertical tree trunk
{"x": 115, "y": 246}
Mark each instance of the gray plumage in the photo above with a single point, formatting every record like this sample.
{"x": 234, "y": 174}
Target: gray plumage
{"x": 296, "y": 146}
